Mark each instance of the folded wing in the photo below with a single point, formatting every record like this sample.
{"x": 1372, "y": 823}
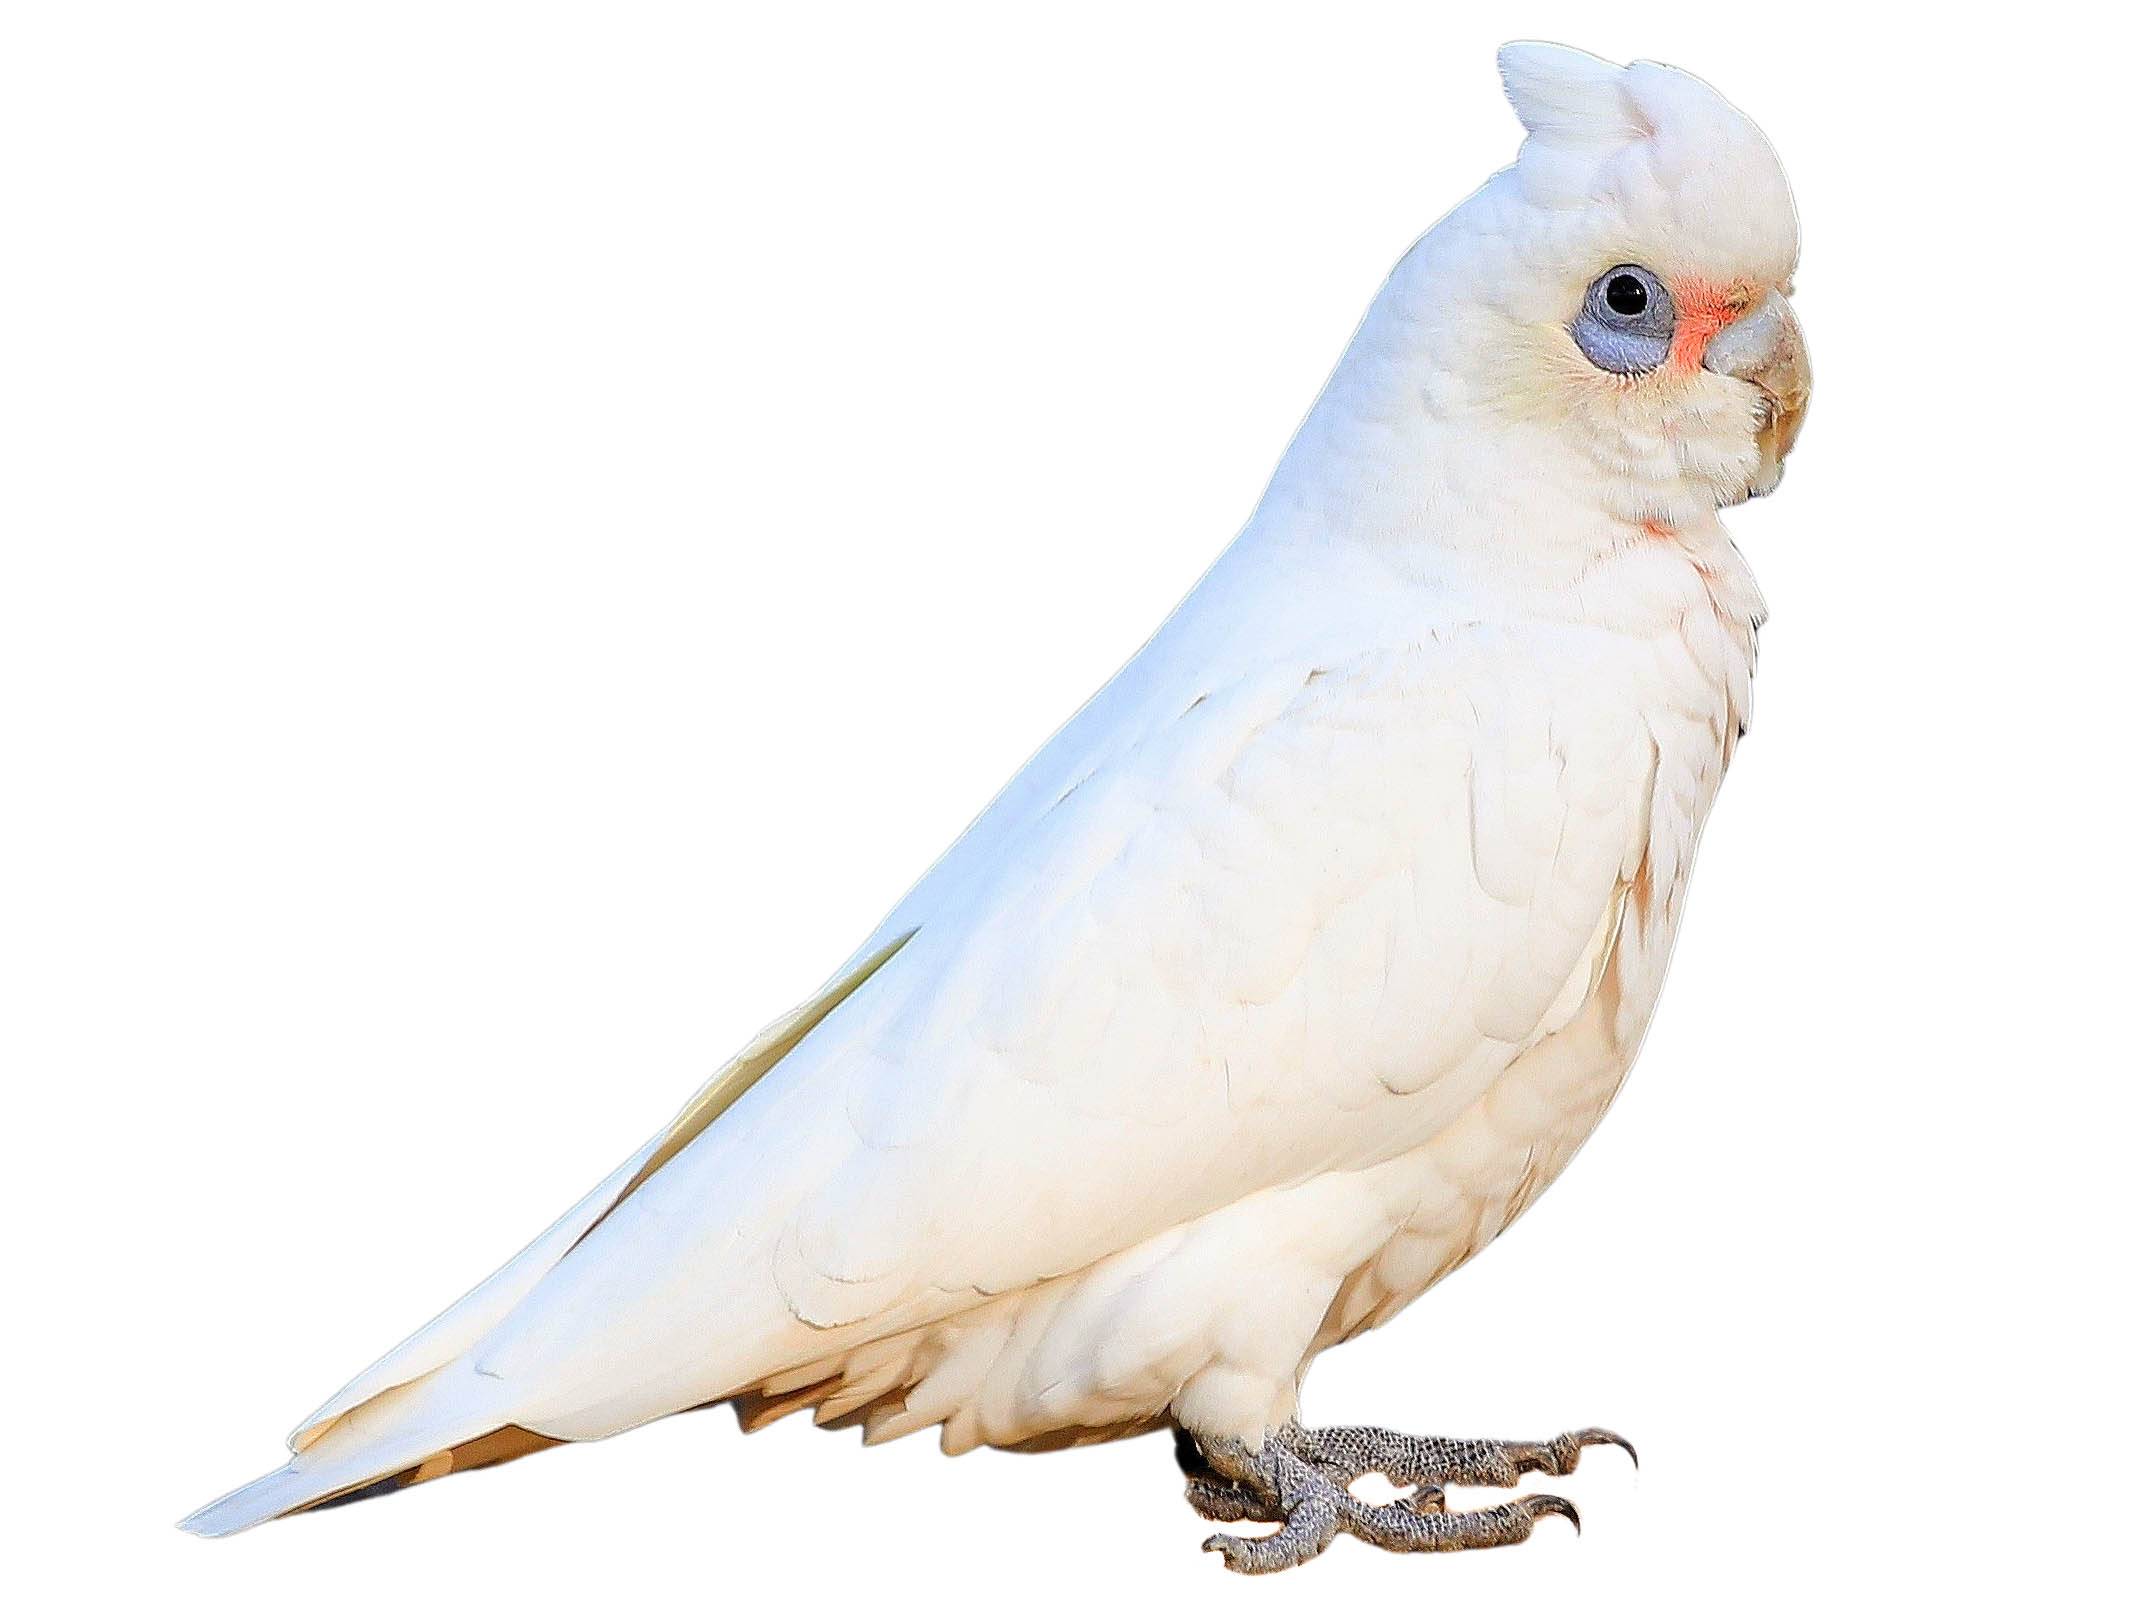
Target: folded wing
{"x": 1285, "y": 926}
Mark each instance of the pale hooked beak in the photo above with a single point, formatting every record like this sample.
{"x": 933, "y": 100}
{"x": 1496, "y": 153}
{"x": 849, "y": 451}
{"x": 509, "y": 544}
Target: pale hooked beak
{"x": 1765, "y": 347}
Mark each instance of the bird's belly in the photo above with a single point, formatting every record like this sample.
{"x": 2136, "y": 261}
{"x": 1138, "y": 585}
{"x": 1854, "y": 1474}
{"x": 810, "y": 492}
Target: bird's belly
{"x": 1449, "y": 1197}
{"x": 1453, "y": 1195}
{"x": 1236, "y": 1304}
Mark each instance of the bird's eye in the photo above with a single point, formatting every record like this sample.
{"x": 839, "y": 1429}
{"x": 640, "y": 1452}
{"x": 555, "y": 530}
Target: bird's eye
{"x": 1626, "y": 294}
{"x": 1627, "y": 321}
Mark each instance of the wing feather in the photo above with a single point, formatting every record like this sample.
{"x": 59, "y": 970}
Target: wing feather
{"x": 1290, "y": 928}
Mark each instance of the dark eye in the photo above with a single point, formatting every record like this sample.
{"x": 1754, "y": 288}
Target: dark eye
{"x": 1627, "y": 321}
{"x": 1626, "y": 294}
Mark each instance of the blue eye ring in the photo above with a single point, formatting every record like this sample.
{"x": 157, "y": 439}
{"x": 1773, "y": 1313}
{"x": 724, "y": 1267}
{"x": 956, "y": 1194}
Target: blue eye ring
{"x": 1627, "y": 321}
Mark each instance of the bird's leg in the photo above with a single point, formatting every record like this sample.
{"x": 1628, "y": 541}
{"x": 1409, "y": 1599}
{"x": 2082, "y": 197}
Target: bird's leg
{"x": 1300, "y": 1478}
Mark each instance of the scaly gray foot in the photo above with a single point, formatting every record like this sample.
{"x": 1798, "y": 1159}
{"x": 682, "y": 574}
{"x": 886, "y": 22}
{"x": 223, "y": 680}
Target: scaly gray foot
{"x": 1300, "y": 1478}
{"x": 1347, "y": 1452}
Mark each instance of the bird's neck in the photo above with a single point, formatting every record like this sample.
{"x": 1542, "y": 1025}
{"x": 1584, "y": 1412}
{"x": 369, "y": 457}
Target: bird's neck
{"x": 1405, "y": 462}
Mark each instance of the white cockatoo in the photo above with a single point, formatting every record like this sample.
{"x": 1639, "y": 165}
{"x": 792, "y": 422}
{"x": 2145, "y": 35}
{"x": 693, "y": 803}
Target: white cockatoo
{"x": 1293, "y": 968}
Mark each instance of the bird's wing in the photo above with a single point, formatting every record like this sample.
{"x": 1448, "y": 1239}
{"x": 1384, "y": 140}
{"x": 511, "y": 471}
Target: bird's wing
{"x": 1276, "y": 926}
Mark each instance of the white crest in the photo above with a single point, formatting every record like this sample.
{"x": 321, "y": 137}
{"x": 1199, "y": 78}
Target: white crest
{"x": 1568, "y": 97}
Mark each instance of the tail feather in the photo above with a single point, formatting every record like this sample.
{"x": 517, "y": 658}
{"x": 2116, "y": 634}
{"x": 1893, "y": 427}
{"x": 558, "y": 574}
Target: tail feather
{"x": 468, "y": 1321}
{"x": 452, "y": 1419}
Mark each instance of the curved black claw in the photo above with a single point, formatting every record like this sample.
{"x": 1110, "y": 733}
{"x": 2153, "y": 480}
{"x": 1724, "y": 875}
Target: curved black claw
{"x": 1560, "y": 1457}
{"x": 1596, "y": 1436}
{"x": 1538, "y": 1504}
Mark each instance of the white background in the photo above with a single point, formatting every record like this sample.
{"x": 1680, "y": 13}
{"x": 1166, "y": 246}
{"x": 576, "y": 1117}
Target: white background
{"x": 526, "y": 527}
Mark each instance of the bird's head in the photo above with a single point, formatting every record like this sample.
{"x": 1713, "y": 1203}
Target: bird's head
{"x": 1631, "y": 277}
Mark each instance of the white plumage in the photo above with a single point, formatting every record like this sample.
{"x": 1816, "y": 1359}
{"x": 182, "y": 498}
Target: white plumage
{"x": 1294, "y": 966}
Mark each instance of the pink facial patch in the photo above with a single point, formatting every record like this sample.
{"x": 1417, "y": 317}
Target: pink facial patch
{"x": 1702, "y": 312}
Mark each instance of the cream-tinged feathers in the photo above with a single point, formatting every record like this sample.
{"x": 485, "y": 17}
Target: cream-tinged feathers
{"x": 1298, "y": 962}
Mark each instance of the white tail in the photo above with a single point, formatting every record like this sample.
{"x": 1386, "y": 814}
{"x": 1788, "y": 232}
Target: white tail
{"x": 424, "y": 1410}
{"x": 451, "y": 1419}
